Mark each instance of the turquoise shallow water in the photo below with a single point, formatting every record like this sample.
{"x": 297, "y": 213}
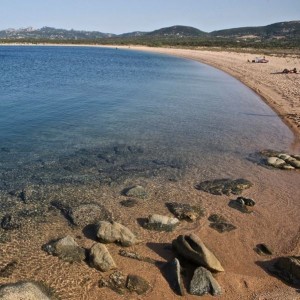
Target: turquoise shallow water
{"x": 57, "y": 101}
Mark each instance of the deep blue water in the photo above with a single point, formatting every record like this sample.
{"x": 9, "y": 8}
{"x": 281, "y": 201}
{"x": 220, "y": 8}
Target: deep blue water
{"x": 56, "y": 100}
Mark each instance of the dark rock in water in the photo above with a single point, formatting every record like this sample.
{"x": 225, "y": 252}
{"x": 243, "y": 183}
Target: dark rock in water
{"x": 288, "y": 269}
{"x": 220, "y": 224}
{"x": 193, "y": 249}
{"x": 26, "y": 290}
{"x": 116, "y": 282}
{"x": 224, "y": 186}
{"x": 9, "y": 222}
{"x": 129, "y": 202}
{"x": 245, "y": 201}
{"x": 161, "y": 223}
{"x": 184, "y": 211}
{"x": 89, "y": 213}
{"x": 263, "y": 249}
{"x": 137, "y": 284}
{"x": 203, "y": 283}
{"x": 5, "y": 149}
{"x": 173, "y": 273}
{"x": 239, "y": 204}
{"x": 111, "y": 232}
{"x": 136, "y": 191}
{"x": 66, "y": 249}
{"x": 8, "y": 270}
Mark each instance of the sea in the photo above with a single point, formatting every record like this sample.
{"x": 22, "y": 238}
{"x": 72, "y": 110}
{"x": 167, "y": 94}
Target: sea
{"x": 85, "y": 114}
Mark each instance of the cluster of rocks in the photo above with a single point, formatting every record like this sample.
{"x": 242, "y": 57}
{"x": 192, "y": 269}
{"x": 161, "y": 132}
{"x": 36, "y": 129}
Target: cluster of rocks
{"x": 243, "y": 204}
{"x": 281, "y": 160}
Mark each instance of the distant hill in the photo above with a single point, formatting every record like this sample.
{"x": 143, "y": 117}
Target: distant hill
{"x": 282, "y": 34}
{"x": 51, "y": 34}
{"x": 274, "y": 31}
{"x": 177, "y": 31}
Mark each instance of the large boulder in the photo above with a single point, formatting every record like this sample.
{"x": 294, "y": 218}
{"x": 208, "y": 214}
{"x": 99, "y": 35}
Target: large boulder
{"x": 203, "y": 283}
{"x": 26, "y": 290}
{"x": 100, "y": 258}
{"x": 193, "y": 249}
{"x": 66, "y": 249}
{"x": 111, "y": 232}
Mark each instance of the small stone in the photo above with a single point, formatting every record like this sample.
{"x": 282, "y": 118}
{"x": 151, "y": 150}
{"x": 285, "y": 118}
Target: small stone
{"x": 111, "y": 232}
{"x": 184, "y": 211}
{"x": 203, "y": 283}
{"x": 137, "y": 284}
{"x": 8, "y": 270}
{"x": 26, "y": 290}
{"x": 66, "y": 249}
{"x": 173, "y": 274}
{"x": 220, "y": 224}
{"x": 245, "y": 201}
{"x": 161, "y": 223}
{"x": 134, "y": 255}
{"x": 192, "y": 248}
{"x": 100, "y": 258}
{"x": 263, "y": 249}
{"x": 116, "y": 282}
{"x": 129, "y": 202}
{"x": 294, "y": 162}
{"x": 136, "y": 191}
{"x": 9, "y": 222}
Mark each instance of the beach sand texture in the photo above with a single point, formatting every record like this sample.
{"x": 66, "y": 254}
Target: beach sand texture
{"x": 275, "y": 220}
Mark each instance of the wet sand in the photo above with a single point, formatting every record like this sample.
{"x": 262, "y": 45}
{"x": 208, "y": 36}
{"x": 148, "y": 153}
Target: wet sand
{"x": 275, "y": 220}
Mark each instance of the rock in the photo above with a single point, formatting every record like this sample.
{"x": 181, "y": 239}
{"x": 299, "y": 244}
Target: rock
{"x": 240, "y": 205}
{"x": 66, "y": 249}
{"x": 224, "y": 186}
{"x": 89, "y": 213}
{"x": 136, "y": 191}
{"x": 173, "y": 274}
{"x": 161, "y": 223}
{"x": 296, "y": 156}
{"x": 263, "y": 249}
{"x": 192, "y": 248}
{"x": 137, "y": 284}
{"x": 129, "y": 202}
{"x": 100, "y": 258}
{"x": 116, "y": 282}
{"x": 111, "y": 232}
{"x": 276, "y": 162}
{"x": 9, "y": 222}
{"x": 294, "y": 162}
{"x": 8, "y": 270}
{"x": 269, "y": 153}
{"x": 245, "y": 201}
{"x": 288, "y": 268}
{"x": 288, "y": 167}
{"x": 283, "y": 156}
{"x": 134, "y": 255}
{"x": 203, "y": 283}
{"x": 184, "y": 211}
{"x": 220, "y": 224}
{"x": 26, "y": 290}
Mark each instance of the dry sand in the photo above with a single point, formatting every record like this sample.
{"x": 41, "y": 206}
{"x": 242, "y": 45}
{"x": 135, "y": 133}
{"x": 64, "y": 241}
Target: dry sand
{"x": 275, "y": 220}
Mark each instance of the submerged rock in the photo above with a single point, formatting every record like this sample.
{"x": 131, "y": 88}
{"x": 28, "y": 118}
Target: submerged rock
{"x": 129, "y": 202}
{"x": 244, "y": 205}
{"x": 111, "y": 232}
{"x": 220, "y": 224}
{"x": 173, "y": 273}
{"x": 288, "y": 268}
{"x": 137, "y": 284}
{"x": 203, "y": 283}
{"x": 27, "y": 290}
{"x": 184, "y": 211}
{"x": 192, "y": 248}
{"x": 100, "y": 258}
{"x": 66, "y": 249}
{"x": 10, "y": 222}
{"x": 224, "y": 186}
{"x": 161, "y": 223}
{"x": 136, "y": 191}
{"x": 246, "y": 201}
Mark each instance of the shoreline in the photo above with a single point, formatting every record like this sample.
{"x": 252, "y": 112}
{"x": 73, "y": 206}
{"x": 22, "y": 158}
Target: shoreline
{"x": 283, "y": 96}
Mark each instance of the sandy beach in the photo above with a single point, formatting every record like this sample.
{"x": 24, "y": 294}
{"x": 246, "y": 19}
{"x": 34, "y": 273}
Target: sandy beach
{"x": 274, "y": 220}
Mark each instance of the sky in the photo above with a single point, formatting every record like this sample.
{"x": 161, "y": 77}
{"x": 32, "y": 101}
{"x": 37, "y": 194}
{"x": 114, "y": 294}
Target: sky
{"x": 120, "y": 16}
